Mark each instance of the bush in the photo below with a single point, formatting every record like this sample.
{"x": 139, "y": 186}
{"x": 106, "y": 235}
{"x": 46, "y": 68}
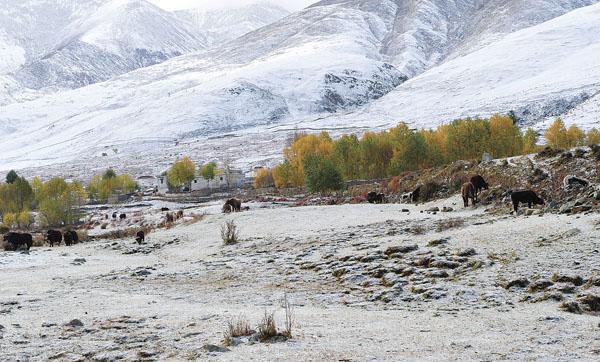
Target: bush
{"x": 264, "y": 178}
{"x": 4, "y": 229}
{"x": 229, "y": 233}
{"x": 267, "y": 328}
{"x": 237, "y": 327}
{"x": 429, "y": 190}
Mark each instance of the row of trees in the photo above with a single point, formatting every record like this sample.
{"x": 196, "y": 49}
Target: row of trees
{"x": 321, "y": 163}
{"x": 56, "y": 201}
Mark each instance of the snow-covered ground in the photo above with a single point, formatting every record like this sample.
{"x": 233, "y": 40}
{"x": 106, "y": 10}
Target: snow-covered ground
{"x": 165, "y": 300}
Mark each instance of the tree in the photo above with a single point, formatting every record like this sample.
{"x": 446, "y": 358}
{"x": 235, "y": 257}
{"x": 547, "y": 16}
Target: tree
{"x": 505, "y": 137}
{"x": 181, "y": 173}
{"x": 9, "y": 219}
{"x": 60, "y": 202}
{"x": 593, "y": 137}
{"x": 322, "y": 174}
{"x": 24, "y": 219}
{"x": 102, "y": 187}
{"x": 575, "y": 136}
{"x": 11, "y": 177}
{"x": 530, "y": 139}
{"x": 556, "y": 135}
{"x": 283, "y": 175}
{"x": 263, "y": 178}
{"x": 208, "y": 171}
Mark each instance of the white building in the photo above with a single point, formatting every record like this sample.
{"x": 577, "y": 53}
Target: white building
{"x": 224, "y": 179}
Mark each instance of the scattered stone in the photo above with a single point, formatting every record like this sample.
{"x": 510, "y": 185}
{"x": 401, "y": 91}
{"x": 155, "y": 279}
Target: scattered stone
{"x": 447, "y": 209}
{"x": 520, "y": 283}
{"x": 444, "y": 264}
{"x": 571, "y": 307}
{"x": 75, "y": 323}
{"x": 214, "y": 348}
{"x": 466, "y": 252}
{"x": 540, "y": 285}
{"x": 433, "y": 209}
{"x": 437, "y": 242}
{"x": 575, "y": 280}
{"x": 401, "y": 249}
{"x": 437, "y": 274}
{"x": 591, "y": 303}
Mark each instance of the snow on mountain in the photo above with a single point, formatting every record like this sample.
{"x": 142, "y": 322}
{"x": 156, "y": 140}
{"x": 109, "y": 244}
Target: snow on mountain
{"x": 337, "y": 64}
{"x": 223, "y": 25}
{"x": 65, "y": 45}
{"x": 539, "y": 72}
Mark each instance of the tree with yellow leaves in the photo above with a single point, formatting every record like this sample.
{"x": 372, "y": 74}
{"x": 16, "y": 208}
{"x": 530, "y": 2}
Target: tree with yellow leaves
{"x": 181, "y": 173}
{"x": 530, "y": 139}
{"x": 263, "y": 178}
{"x": 556, "y": 135}
{"x": 593, "y": 137}
{"x": 505, "y": 137}
{"x": 575, "y": 136}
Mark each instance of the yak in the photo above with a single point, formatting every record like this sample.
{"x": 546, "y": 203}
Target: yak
{"x": 54, "y": 237}
{"x": 468, "y": 192}
{"x": 479, "y": 184}
{"x": 232, "y": 205}
{"x": 122, "y": 216}
{"x": 19, "y": 240}
{"x": 525, "y": 197}
{"x": 375, "y": 198}
{"x": 70, "y": 237}
{"x": 140, "y": 237}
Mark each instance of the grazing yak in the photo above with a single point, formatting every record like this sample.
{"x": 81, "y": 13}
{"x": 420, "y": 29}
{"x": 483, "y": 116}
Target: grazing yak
{"x": 468, "y": 192}
{"x": 414, "y": 196}
{"x": 375, "y": 198}
{"x": 140, "y": 237}
{"x": 54, "y": 237}
{"x": 164, "y": 209}
{"x": 479, "y": 184}
{"x": 179, "y": 214}
{"x": 70, "y": 237}
{"x": 170, "y": 217}
{"x": 18, "y": 240}
{"x": 525, "y": 197}
{"x": 122, "y": 216}
{"x": 114, "y": 215}
{"x": 232, "y": 205}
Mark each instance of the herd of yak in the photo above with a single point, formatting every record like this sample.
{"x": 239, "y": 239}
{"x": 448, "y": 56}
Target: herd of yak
{"x": 470, "y": 191}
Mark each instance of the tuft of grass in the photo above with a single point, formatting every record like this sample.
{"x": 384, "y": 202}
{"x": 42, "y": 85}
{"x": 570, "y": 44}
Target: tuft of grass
{"x": 448, "y": 224}
{"x": 267, "y": 328}
{"x": 229, "y": 233}
{"x": 237, "y": 327}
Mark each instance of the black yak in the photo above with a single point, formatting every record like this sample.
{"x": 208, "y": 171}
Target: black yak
{"x": 479, "y": 184}
{"x": 122, "y": 216}
{"x": 140, "y": 237}
{"x": 18, "y": 240}
{"x": 525, "y": 197}
{"x": 54, "y": 237}
{"x": 375, "y": 198}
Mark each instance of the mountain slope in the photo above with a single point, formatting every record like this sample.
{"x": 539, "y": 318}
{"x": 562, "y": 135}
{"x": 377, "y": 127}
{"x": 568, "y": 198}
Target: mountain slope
{"x": 540, "y": 72}
{"x": 312, "y": 68}
{"x": 223, "y": 25}
{"x": 70, "y": 45}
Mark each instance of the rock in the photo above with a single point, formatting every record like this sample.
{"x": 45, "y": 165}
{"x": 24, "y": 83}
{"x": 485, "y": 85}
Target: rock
{"x": 405, "y": 210}
{"x": 370, "y": 258}
{"x": 79, "y": 260}
{"x": 590, "y": 302}
{"x": 520, "y": 283}
{"x": 575, "y": 280}
{"x": 437, "y": 242}
{"x": 339, "y": 272}
{"x": 433, "y": 209}
{"x": 540, "y": 285}
{"x": 437, "y": 274}
{"x": 447, "y": 209}
{"x": 466, "y": 252}
{"x": 141, "y": 273}
{"x": 214, "y": 348}
{"x": 581, "y": 201}
{"x": 580, "y": 209}
{"x": 444, "y": 264}
{"x": 571, "y": 307}
{"x": 567, "y": 208}
{"x": 597, "y": 195}
{"x": 391, "y": 279}
{"x": 401, "y": 249}
{"x": 75, "y": 323}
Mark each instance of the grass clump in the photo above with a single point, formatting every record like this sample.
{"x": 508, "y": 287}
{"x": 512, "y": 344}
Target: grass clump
{"x": 229, "y": 233}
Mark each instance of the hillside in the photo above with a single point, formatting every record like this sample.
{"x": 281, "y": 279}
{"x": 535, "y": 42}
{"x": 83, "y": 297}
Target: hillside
{"x": 337, "y": 64}
{"x": 53, "y": 45}
{"x": 222, "y": 25}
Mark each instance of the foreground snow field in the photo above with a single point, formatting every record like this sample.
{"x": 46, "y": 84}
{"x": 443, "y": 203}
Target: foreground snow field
{"x": 354, "y": 274}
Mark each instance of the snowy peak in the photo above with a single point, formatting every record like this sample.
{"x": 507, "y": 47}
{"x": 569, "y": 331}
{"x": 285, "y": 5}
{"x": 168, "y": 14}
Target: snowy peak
{"x": 223, "y": 25}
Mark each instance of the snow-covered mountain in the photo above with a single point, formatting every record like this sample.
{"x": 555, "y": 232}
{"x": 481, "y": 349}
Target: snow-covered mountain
{"x": 55, "y": 44}
{"x": 338, "y": 65}
{"x": 223, "y": 25}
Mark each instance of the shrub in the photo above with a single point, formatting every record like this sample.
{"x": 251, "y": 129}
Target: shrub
{"x": 229, "y": 233}
{"x": 429, "y": 190}
{"x": 267, "y": 328}
{"x": 264, "y": 178}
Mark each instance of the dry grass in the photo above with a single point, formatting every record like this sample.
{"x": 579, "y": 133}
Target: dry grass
{"x": 448, "y": 224}
{"x": 123, "y": 233}
{"x": 418, "y": 230}
{"x": 195, "y": 218}
{"x": 267, "y": 328}
{"x": 82, "y": 235}
{"x": 39, "y": 240}
{"x": 229, "y": 233}
{"x": 237, "y": 327}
